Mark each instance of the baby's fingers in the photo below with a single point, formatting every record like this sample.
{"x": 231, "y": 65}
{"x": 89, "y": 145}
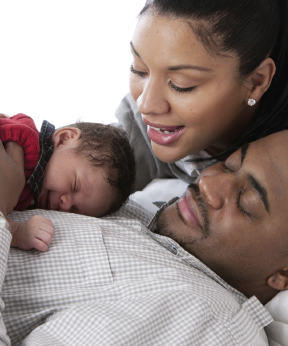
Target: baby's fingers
{"x": 42, "y": 240}
{"x": 40, "y": 245}
{"x": 47, "y": 226}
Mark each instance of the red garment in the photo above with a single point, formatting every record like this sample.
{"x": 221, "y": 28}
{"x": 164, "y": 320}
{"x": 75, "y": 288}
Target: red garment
{"x": 21, "y": 129}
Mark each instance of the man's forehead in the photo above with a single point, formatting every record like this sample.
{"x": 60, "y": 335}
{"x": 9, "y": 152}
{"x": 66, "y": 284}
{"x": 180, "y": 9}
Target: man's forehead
{"x": 268, "y": 159}
{"x": 273, "y": 147}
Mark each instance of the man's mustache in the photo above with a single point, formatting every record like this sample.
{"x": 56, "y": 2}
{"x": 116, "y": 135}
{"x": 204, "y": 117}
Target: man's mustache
{"x": 203, "y": 208}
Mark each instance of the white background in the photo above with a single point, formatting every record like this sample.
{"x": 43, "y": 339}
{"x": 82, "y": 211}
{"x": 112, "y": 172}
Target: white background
{"x": 63, "y": 60}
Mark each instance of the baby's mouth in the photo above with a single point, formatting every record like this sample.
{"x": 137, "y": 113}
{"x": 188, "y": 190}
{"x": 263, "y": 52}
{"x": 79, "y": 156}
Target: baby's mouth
{"x": 47, "y": 202}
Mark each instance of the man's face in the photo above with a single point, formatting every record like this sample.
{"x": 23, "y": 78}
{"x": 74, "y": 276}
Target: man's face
{"x": 235, "y": 219}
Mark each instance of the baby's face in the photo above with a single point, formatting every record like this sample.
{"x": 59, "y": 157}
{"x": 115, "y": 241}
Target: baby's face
{"x": 72, "y": 185}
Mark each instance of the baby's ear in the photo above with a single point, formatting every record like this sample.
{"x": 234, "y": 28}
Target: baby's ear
{"x": 66, "y": 136}
{"x": 279, "y": 280}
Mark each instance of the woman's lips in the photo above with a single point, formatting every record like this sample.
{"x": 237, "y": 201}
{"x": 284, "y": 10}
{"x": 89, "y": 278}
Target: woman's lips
{"x": 162, "y": 134}
{"x": 188, "y": 208}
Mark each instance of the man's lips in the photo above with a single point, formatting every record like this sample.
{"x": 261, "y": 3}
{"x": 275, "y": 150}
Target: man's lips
{"x": 163, "y": 134}
{"x": 188, "y": 208}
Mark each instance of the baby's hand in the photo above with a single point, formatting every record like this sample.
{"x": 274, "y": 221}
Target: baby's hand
{"x": 36, "y": 233}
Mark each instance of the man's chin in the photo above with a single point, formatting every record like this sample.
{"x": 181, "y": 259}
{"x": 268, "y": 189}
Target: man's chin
{"x": 170, "y": 225}
{"x": 164, "y": 228}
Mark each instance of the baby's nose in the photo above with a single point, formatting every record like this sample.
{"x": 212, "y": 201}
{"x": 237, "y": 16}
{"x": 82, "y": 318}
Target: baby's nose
{"x": 65, "y": 203}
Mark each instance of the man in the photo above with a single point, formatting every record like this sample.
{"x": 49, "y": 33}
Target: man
{"x": 114, "y": 282}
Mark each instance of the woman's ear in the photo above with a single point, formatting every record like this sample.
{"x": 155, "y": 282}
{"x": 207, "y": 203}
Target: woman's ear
{"x": 279, "y": 280}
{"x": 261, "y": 78}
{"x": 66, "y": 136}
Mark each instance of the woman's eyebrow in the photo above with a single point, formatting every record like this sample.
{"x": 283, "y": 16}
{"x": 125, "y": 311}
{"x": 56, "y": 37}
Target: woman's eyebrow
{"x": 134, "y": 50}
{"x": 188, "y": 67}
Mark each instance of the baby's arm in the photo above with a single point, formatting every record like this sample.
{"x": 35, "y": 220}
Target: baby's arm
{"x": 35, "y": 233}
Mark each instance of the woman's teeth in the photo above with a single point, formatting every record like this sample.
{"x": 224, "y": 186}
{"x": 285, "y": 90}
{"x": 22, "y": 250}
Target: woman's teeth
{"x": 163, "y": 131}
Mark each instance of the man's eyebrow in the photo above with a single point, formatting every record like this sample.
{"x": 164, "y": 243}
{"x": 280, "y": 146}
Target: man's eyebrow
{"x": 261, "y": 191}
{"x": 134, "y": 50}
{"x": 254, "y": 182}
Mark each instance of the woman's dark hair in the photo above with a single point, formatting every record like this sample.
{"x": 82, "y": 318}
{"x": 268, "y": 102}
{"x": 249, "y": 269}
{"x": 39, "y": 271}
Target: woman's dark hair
{"x": 254, "y": 30}
{"x": 108, "y": 147}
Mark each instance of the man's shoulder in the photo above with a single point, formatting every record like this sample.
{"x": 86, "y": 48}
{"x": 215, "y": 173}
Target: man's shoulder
{"x": 138, "y": 272}
{"x": 132, "y": 211}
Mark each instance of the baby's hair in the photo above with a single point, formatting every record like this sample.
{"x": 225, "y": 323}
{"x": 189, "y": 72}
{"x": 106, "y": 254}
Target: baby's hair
{"x": 108, "y": 147}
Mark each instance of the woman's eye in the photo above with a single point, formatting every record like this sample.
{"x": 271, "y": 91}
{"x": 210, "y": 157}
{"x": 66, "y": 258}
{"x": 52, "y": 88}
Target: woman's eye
{"x": 180, "y": 90}
{"x": 226, "y": 168}
{"x": 138, "y": 73}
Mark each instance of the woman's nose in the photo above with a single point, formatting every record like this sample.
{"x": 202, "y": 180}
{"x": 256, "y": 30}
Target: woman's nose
{"x": 65, "y": 202}
{"x": 218, "y": 189}
{"x": 152, "y": 100}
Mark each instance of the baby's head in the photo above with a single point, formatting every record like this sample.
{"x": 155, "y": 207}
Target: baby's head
{"x": 91, "y": 171}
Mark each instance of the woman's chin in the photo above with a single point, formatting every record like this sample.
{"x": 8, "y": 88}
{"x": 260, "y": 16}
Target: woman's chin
{"x": 166, "y": 153}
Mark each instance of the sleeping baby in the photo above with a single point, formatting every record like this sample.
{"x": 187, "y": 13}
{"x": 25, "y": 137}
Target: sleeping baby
{"x": 84, "y": 168}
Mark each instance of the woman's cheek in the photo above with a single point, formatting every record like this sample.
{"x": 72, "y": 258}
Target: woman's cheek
{"x": 135, "y": 88}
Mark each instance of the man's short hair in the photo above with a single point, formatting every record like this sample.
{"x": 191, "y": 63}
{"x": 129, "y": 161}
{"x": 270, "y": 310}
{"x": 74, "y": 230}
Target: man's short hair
{"x": 108, "y": 147}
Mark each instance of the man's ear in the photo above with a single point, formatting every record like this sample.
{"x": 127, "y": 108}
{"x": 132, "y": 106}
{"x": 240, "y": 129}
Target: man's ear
{"x": 66, "y": 136}
{"x": 279, "y": 280}
{"x": 261, "y": 78}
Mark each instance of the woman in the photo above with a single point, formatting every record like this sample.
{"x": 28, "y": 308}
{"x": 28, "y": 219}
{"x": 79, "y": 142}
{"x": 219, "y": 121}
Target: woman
{"x": 206, "y": 77}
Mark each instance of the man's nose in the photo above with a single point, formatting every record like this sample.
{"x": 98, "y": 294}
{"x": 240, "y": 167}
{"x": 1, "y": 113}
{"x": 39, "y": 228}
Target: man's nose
{"x": 218, "y": 189}
{"x": 152, "y": 100}
{"x": 65, "y": 202}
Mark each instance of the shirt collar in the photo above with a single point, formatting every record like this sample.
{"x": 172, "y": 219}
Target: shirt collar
{"x": 46, "y": 150}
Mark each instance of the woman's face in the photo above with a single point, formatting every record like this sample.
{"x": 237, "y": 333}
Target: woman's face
{"x": 190, "y": 99}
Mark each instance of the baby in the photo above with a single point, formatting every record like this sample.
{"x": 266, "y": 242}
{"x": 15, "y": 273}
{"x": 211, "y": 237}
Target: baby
{"x": 84, "y": 168}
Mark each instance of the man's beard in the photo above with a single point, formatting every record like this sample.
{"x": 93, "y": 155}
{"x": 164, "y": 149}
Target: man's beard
{"x": 165, "y": 229}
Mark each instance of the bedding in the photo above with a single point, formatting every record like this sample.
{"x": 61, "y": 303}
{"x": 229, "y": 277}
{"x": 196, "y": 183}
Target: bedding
{"x": 277, "y": 331}
{"x": 159, "y": 190}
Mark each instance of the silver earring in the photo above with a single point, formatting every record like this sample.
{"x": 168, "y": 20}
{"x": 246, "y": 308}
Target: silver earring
{"x": 251, "y": 102}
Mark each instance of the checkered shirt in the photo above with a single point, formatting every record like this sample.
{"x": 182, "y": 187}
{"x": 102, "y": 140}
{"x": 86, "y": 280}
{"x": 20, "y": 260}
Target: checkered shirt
{"x": 46, "y": 150}
{"x": 111, "y": 281}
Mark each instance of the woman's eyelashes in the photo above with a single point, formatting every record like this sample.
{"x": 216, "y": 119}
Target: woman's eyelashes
{"x": 138, "y": 73}
{"x": 180, "y": 90}
{"x": 173, "y": 86}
